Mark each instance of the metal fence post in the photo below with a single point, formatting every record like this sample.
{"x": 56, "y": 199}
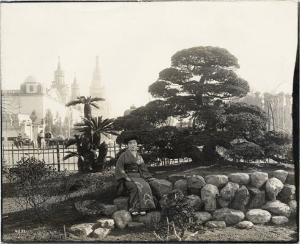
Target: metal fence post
{"x": 12, "y": 154}
{"x": 58, "y": 157}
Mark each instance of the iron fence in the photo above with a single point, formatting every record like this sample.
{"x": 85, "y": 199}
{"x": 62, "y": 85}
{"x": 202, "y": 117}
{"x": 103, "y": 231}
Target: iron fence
{"x": 53, "y": 156}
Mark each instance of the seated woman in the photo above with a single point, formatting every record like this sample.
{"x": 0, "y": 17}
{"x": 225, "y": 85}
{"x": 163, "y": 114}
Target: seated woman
{"x": 133, "y": 174}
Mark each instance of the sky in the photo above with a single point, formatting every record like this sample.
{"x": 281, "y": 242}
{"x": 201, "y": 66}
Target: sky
{"x": 135, "y": 41}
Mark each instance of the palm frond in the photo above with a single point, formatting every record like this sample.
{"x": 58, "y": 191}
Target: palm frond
{"x": 88, "y": 122}
{"x": 83, "y": 129}
{"x": 70, "y": 142}
{"x": 96, "y": 99}
{"x": 80, "y": 124}
{"x": 73, "y": 103}
{"x": 70, "y": 155}
{"x": 95, "y": 105}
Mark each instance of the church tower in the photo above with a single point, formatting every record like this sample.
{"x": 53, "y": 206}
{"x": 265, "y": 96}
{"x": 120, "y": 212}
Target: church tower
{"x": 97, "y": 90}
{"x": 59, "y": 84}
{"x": 74, "y": 89}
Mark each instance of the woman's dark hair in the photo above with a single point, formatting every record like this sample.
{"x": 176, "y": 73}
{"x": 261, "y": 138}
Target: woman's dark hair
{"x": 130, "y": 138}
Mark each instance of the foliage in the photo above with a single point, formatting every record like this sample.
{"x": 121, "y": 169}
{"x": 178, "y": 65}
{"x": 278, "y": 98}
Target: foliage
{"x": 246, "y": 151}
{"x": 178, "y": 215}
{"x": 91, "y": 149}
{"x": 88, "y": 103}
{"x": 201, "y": 86}
{"x": 245, "y": 121}
{"x": 35, "y": 186}
{"x": 33, "y": 116}
{"x": 159, "y": 144}
{"x": 48, "y": 121}
{"x": 277, "y": 146}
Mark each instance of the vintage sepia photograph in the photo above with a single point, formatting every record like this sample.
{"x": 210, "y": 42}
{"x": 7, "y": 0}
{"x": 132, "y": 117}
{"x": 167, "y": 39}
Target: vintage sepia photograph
{"x": 149, "y": 122}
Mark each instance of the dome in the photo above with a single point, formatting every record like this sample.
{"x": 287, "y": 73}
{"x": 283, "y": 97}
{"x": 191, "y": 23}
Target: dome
{"x": 30, "y": 79}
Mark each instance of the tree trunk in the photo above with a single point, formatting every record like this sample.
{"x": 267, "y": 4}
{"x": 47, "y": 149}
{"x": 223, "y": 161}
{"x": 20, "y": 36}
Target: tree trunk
{"x": 87, "y": 111}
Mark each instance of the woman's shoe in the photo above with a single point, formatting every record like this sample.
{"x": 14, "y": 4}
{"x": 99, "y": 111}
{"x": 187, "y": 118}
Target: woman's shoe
{"x": 134, "y": 213}
{"x": 143, "y": 213}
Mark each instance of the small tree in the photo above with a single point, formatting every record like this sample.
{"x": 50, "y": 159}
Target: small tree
{"x": 48, "y": 121}
{"x": 91, "y": 149}
{"x": 33, "y": 116}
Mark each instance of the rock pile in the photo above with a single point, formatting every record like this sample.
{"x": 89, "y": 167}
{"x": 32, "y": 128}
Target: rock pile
{"x": 238, "y": 199}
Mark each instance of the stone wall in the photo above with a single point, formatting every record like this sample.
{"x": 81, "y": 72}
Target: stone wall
{"x": 238, "y": 199}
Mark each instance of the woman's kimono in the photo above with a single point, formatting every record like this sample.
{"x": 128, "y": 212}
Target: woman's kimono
{"x": 140, "y": 194}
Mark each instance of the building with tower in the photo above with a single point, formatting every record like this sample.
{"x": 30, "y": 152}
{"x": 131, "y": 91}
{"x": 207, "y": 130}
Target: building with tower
{"x": 58, "y": 84}
{"x": 43, "y": 108}
{"x": 75, "y": 91}
{"x": 97, "y": 89}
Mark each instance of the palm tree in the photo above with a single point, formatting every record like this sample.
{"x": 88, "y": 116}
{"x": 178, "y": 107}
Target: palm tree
{"x": 96, "y": 127}
{"x": 88, "y": 102}
{"x": 90, "y": 151}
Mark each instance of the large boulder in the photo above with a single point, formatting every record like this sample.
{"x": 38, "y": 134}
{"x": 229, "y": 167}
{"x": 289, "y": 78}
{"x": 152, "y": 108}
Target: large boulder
{"x": 150, "y": 219}
{"x": 82, "y": 230}
{"x": 208, "y": 195}
{"x": 121, "y": 203}
{"x": 215, "y": 224}
{"x": 273, "y": 187}
{"x": 230, "y": 216}
{"x": 258, "y": 179}
{"x": 258, "y": 216}
{"x": 229, "y": 190}
{"x": 293, "y": 205}
{"x": 216, "y": 180}
{"x": 100, "y": 233}
{"x": 193, "y": 201}
{"x": 280, "y": 175}
{"x": 257, "y": 198}
{"x": 287, "y": 193}
{"x": 88, "y": 208}
{"x": 290, "y": 179}
{"x": 278, "y": 208}
{"x": 202, "y": 217}
{"x": 234, "y": 217}
{"x": 182, "y": 186}
{"x": 104, "y": 223}
{"x": 174, "y": 178}
{"x": 241, "y": 199}
{"x": 245, "y": 225}
{"x": 122, "y": 218}
{"x": 279, "y": 220}
{"x": 223, "y": 203}
{"x": 160, "y": 187}
{"x": 195, "y": 184}
{"x": 239, "y": 178}
{"x": 221, "y": 213}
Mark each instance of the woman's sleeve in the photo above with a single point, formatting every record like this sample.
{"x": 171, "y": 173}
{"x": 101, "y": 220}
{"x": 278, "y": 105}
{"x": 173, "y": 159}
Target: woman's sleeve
{"x": 145, "y": 172}
{"x": 120, "y": 172}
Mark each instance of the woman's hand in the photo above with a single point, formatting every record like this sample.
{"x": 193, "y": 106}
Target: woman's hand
{"x": 139, "y": 160}
{"x": 128, "y": 179}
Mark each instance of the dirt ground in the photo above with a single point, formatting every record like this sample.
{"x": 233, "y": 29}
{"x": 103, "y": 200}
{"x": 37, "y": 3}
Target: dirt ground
{"x": 19, "y": 225}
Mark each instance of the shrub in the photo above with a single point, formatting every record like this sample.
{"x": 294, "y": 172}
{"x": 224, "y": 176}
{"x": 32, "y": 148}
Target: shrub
{"x": 177, "y": 217}
{"x": 37, "y": 186}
